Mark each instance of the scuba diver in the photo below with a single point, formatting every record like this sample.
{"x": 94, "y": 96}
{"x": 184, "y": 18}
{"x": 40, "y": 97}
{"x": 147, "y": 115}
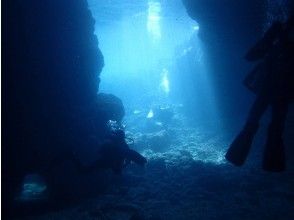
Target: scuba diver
{"x": 113, "y": 154}
{"x": 272, "y": 80}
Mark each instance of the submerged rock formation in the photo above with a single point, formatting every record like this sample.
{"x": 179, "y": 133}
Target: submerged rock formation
{"x": 228, "y": 29}
{"x": 50, "y": 78}
{"x": 111, "y": 107}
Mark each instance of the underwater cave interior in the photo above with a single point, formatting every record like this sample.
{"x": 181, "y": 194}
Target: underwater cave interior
{"x": 177, "y": 66}
{"x": 150, "y": 49}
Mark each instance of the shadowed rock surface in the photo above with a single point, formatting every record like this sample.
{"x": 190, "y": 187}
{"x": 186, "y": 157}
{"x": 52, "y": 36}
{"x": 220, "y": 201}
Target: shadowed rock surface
{"x": 50, "y": 78}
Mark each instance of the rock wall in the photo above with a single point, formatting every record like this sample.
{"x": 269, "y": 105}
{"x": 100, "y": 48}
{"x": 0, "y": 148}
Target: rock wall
{"x": 50, "y": 77}
{"x": 228, "y": 29}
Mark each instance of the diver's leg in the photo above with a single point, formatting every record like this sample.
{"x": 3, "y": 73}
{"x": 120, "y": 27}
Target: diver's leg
{"x": 240, "y": 147}
{"x": 258, "y": 108}
{"x": 274, "y": 154}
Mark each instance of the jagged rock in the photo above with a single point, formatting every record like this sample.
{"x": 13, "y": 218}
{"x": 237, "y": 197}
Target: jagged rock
{"x": 111, "y": 107}
{"x": 157, "y": 141}
{"x": 51, "y": 71}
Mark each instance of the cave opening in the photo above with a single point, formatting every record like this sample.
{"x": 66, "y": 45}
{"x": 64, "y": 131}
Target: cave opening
{"x": 156, "y": 64}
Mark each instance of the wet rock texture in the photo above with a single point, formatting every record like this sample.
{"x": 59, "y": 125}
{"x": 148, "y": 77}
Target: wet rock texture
{"x": 50, "y": 78}
{"x": 52, "y": 58}
{"x": 200, "y": 191}
{"x": 189, "y": 180}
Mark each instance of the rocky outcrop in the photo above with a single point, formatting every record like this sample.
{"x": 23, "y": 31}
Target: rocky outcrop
{"x": 228, "y": 29}
{"x": 50, "y": 77}
{"x": 111, "y": 107}
{"x": 228, "y": 19}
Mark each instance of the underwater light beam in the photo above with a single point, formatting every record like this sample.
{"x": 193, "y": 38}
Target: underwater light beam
{"x": 153, "y": 19}
{"x": 165, "y": 82}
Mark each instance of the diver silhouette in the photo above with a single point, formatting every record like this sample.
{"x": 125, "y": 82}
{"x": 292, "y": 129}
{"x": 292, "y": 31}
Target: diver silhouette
{"x": 114, "y": 154}
{"x": 272, "y": 80}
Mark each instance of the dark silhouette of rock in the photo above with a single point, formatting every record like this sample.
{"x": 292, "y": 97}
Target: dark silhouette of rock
{"x": 227, "y": 29}
{"x": 50, "y": 77}
{"x": 111, "y": 107}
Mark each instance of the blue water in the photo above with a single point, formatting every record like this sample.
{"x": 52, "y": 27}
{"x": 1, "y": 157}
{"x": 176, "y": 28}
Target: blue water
{"x": 143, "y": 44}
{"x": 139, "y": 43}
{"x": 184, "y": 104}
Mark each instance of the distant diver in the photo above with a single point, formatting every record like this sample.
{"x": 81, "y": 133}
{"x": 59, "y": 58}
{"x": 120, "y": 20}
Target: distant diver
{"x": 114, "y": 154}
{"x": 272, "y": 80}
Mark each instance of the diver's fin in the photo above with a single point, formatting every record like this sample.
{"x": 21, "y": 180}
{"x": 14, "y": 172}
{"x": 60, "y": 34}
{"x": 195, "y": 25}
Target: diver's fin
{"x": 240, "y": 147}
{"x": 274, "y": 155}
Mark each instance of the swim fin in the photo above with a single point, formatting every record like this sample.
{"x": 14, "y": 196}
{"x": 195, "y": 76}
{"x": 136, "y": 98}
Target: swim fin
{"x": 240, "y": 147}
